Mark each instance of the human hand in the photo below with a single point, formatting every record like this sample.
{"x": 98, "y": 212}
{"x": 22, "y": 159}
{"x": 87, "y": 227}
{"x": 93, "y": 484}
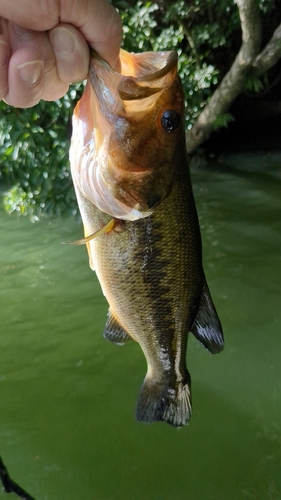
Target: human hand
{"x": 44, "y": 46}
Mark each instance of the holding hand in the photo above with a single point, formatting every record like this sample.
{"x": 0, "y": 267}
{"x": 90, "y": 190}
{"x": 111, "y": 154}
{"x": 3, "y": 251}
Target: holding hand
{"x": 44, "y": 46}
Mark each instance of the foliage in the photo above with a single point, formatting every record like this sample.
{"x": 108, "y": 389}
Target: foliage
{"x": 34, "y": 146}
{"x": 33, "y": 151}
{"x": 34, "y": 142}
{"x": 223, "y": 120}
{"x": 255, "y": 84}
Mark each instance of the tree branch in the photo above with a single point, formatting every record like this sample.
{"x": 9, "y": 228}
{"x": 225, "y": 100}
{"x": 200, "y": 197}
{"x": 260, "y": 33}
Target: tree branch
{"x": 191, "y": 43}
{"x": 9, "y": 485}
{"x": 270, "y": 54}
{"x": 232, "y": 84}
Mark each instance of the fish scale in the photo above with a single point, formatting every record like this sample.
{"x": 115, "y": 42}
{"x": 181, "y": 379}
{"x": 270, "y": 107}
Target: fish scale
{"x": 151, "y": 274}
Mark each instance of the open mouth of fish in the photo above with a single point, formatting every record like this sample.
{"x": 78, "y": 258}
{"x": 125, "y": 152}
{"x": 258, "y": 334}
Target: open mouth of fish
{"x": 118, "y": 152}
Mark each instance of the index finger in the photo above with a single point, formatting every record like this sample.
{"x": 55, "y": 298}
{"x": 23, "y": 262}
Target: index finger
{"x": 100, "y": 24}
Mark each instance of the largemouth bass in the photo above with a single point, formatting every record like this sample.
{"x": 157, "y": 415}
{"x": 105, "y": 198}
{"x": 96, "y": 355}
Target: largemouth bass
{"x": 130, "y": 171}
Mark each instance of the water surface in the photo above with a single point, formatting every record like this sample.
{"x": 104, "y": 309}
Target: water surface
{"x": 67, "y": 397}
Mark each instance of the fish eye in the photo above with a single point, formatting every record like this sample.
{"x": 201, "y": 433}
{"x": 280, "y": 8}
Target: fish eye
{"x": 170, "y": 120}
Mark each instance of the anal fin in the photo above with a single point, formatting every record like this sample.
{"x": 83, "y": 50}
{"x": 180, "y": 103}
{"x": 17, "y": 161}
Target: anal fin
{"x": 114, "y": 332}
{"x": 207, "y": 326}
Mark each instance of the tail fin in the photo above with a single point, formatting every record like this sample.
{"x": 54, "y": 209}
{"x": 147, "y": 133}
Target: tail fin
{"x": 164, "y": 402}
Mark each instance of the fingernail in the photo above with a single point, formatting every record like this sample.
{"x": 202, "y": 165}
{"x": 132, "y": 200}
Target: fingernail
{"x": 4, "y": 53}
{"x": 62, "y": 40}
{"x": 30, "y": 72}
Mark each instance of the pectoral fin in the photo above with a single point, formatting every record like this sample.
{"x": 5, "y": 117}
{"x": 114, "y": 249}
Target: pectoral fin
{"x": 207, "y": 327}
{"x": 115, "y": 332}
{"x": 105, "y": 229}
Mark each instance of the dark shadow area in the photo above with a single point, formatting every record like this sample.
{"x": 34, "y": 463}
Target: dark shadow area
{"x": 257, "y": 125}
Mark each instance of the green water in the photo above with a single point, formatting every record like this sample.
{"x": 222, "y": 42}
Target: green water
{"x": 67, "y": 397}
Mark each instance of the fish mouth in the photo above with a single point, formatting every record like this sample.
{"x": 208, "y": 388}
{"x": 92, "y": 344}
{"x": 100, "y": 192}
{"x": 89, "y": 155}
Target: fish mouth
{"x": 142, "y": 75}
{"x": 148, "y": 66}
{"x": 116, "y": 156}
{"x": 152, "y": 70}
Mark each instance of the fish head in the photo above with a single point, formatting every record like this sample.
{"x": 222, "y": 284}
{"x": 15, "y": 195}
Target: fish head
{"x": 128, "y": 130}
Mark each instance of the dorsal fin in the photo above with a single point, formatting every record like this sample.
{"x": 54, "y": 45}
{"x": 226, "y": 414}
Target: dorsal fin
{"x": 114, "y": 332}
{"x": 207, "y": 326}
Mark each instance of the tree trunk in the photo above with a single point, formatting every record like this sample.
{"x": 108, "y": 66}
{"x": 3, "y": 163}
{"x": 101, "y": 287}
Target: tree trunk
{"x": 247, "y": 62}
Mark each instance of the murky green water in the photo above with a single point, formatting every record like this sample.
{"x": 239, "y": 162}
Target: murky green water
{"x": 67, "y": 397}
